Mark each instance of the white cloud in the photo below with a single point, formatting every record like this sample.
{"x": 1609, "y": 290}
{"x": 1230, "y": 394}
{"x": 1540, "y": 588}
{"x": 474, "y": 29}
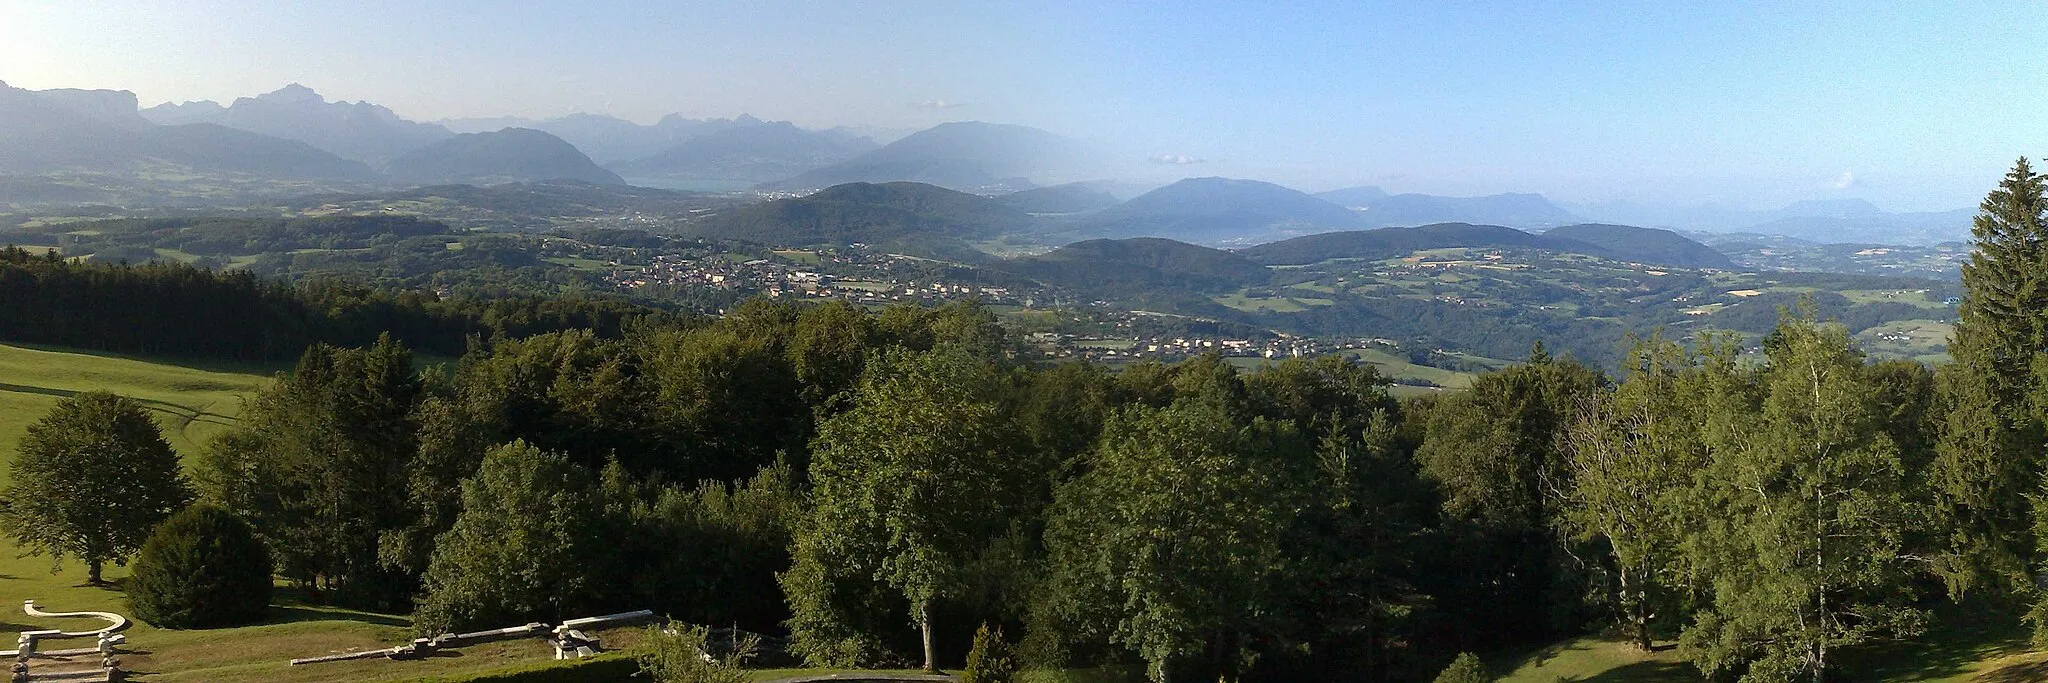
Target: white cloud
{"x": 1846, "y": 181}
{"x": 936, "y": 105}
{"x": 1176, "y": 159}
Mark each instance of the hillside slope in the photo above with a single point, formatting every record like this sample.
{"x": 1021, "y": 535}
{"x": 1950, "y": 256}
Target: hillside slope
{"x": 1645, "y": 245}
{"x": 1216, "y": 211}
{"x": 1391, "y": 242}
{"x": 966, "y": 155}
{"x": 1140, "y": 264}
{"x": 509, "y": 155}
{"x": 914, "y": 218}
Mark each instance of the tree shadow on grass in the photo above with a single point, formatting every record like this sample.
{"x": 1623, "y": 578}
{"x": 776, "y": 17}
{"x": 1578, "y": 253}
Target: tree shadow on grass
{"x": 1646, "y": 672}
{"x": 289, "y": 614}
{"x": 200, "y": 364}
{"x": 2017, "y": 673}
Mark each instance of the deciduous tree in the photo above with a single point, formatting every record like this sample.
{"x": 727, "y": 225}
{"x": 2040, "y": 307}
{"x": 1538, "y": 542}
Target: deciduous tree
{"x": 91, "y": 480}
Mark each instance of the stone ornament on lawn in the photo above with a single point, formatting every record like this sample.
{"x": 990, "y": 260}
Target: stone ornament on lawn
{"x": 106, "y": 640}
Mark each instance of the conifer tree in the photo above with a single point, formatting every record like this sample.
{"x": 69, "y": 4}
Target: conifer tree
{"x": 1987, "y": 456}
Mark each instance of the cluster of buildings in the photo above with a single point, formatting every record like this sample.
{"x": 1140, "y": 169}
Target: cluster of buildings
{"x": 852, "y": 276}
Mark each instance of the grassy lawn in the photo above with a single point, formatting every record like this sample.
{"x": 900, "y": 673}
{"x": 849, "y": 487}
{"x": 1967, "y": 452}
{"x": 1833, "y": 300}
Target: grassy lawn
{"x": 1598, "y": 659}
{"x": 578, "y": 263}
{"x": 192, "y": 402}
{"x": 1917, "y": 339}
{"x": 799, "y": 256}
{"x": 1399, "y": 368}
{"x": 1969, "y": 643}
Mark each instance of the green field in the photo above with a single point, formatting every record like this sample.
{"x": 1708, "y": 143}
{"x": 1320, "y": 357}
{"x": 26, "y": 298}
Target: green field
{"x": 1922, "y": 340}
{"x": 1967, "y": 643}
{"x": 192, "y": 402}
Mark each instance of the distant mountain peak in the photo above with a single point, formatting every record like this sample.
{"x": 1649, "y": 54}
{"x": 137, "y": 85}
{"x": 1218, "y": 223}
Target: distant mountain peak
{"x": 508, "y": 155}
{"x": 293, "y": 93}
{"x": 963, "y": 155}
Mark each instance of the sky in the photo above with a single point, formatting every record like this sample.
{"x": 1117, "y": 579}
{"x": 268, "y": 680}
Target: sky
{"x": 1912, "y": 105}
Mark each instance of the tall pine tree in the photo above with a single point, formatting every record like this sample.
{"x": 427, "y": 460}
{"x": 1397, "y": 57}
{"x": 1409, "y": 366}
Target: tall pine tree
{"x": 1987, "y": 457}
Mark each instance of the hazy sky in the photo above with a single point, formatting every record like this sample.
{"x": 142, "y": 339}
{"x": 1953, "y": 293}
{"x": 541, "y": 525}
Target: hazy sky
{"x": 1913, "y": 105}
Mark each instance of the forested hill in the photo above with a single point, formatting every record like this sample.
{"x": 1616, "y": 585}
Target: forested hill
{"x": 963, "y": 155}
{"x": 509, "y": 155}
{"x": 1619, "y": 242}
{"x": 1644, "y": 245}
{"x": 178, "y": 310}
{"x": 1216, "y": 210}
{"x": 1391, "y": 242}
{"x": 1060, "y": 199}
{"x": 913, "y": 218}
{"x": 1139, "y": 266}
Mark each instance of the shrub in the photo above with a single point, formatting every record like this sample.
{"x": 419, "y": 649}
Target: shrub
{"x": 682, "y": 654}
{"x": 1465, "y": 669}
{"x": 990, "y": 661}
{"x": 202, "y": 568}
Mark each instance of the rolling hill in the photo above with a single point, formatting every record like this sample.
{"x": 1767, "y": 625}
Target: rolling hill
{"x": 1619, "y": 242}
{"x": 1140, "y": 265}
{"x": 1060, "y": 199}
{"x": 911, "y": 218}
{"x": 1644, "y": 245}
{"x": 1392, "y": 242}
{"x": 509, "y": 155}
{"x": 967, "y": 156}
{"x": 1216, "y": 211}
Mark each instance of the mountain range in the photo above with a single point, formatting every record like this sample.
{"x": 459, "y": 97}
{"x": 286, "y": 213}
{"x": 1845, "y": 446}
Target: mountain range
{"x": 1131, "y": 240}
{"x": 360, "y": 131}
{"x": 1824, "y": 221}
{"x": 294, "y": 134}
{"x": 1380, "y": 209}
{"x": 101, "y": 131}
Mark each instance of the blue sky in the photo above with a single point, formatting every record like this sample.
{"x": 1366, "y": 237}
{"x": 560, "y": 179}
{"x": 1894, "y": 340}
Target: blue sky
{"x": 1913, "y": 105}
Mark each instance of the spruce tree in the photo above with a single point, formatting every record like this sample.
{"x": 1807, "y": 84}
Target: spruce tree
{"x": 2004, "y": 313}
{"x": 1986, "y": 460}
